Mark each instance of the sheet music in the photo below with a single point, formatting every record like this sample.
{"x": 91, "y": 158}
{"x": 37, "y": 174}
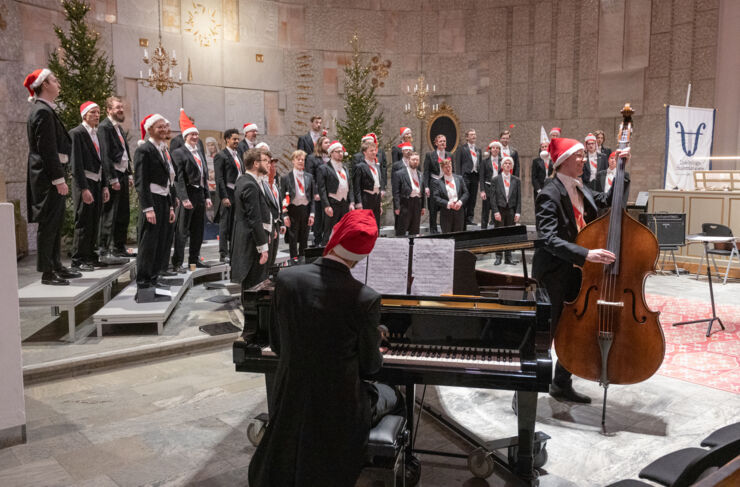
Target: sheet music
{"x": 359, "y": 271}
{"x": 388, "y": 265}
{"x": 433, "y": 266}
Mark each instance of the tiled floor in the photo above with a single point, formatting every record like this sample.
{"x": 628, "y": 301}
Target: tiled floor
{"x": 183, "y": 421}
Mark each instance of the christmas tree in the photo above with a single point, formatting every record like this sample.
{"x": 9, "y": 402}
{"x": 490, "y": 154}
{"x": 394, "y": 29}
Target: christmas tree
{"x": 83, "y": 71}
{"x": 360, "y": 103}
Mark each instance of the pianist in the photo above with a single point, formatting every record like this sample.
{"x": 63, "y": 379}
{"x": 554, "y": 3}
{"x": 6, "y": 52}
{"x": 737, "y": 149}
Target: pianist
{"x": 554, "y": 265}
{"x": 327, "y": 340}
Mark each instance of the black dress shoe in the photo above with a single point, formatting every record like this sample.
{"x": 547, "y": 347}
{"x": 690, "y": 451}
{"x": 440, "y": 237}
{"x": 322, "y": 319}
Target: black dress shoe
{"x": 84, "y": 267}
{"x": 66, "y": 273}
{"x": 568, "y": 394}
{"x": 52, "y": 279}
{"x": 511, "y": 262}
{"x": 168, "y": 274}
{"x": 123, "y": 253}
{"x": 497, "y": 261}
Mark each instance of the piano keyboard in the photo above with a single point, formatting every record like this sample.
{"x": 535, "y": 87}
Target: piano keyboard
{"x": 453, "y": 357}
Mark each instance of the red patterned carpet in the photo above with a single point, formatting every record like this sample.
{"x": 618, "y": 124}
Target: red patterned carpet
{"x": 690, "y": 355}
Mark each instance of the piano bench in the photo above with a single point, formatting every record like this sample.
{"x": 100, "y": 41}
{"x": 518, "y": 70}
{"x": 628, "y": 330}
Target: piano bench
{"x": 386, "y": 446}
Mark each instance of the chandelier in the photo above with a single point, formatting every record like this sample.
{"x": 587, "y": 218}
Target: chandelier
{"x": 160, "y": 75}
{"x": 420, "y": 108}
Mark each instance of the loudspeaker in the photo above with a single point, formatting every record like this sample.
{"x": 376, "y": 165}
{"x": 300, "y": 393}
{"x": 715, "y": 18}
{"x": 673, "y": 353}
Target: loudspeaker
{"x": 669, "y": 228}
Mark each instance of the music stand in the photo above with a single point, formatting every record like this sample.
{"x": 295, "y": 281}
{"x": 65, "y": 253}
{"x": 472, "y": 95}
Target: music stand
{"x": 706, "y": 240}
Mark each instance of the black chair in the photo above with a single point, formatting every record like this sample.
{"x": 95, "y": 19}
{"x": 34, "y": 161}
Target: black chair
{"x": 728, "y": 249}
{"x": 684, "y": 467}
{"x": 723, "y": 435}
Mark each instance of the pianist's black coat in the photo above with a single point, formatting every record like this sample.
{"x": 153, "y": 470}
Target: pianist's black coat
{"x": 327, "y": 339}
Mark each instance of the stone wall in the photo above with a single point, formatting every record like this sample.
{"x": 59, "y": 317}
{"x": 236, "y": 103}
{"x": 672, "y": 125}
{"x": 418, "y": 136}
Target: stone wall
{"x": 530, "y": 63}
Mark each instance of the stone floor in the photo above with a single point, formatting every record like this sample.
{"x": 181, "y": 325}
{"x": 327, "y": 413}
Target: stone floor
{"x": 182, "y": 421}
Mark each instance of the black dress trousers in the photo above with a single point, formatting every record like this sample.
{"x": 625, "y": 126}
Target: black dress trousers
{"x": 189, "y": 224}
{"x": 115, "y": 217}
{"x": 226, "y": 225}
{"x": 340, "y": 208}
{"x": 409, "y": 217}
{"x": 49, "y": 234}
{"x": 298, "y": 238}
{"x": 87, "y": 218}
{"x": 153, "y": 242}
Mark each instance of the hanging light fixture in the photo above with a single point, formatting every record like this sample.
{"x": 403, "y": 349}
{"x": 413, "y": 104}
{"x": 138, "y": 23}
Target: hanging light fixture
{"x": 160, "y": 74}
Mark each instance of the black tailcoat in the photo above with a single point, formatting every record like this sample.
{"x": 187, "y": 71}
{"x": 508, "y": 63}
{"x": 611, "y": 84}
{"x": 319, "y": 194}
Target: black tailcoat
{"x": 47, "y": 140}
{"x": 318, "y": 431}
{"x": 250, "y": 216}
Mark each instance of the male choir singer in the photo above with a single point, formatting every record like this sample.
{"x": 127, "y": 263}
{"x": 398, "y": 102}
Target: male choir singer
{"x": 89, "y": 187}
{"x": 450, "y": 196}
{"x": 298, "y": 204}
{"x": 252, "y": 222}
{"x": 49, "y": 146}
{"x": 562, "y": 208}
{"x": 227, "y": 166}
{"x": 506, "y": 201}
{"x": 432, "y": 173}
{"x": 408, "y": 197}
{"x": 117, "y": 159}
{"x": 192, "y": 191}
{"x": 153, "y": 175}
{"x": 335, "y": 189}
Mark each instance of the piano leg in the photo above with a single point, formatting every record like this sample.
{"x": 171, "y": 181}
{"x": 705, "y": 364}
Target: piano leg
{"x": 410, "y": 390}
{"x": 526, "y": 416}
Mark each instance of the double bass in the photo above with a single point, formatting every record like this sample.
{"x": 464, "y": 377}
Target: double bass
{"x": 608, "y": 333}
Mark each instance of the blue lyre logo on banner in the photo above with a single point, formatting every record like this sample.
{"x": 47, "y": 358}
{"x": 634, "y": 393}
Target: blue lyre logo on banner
{"x": 691, "y": 136}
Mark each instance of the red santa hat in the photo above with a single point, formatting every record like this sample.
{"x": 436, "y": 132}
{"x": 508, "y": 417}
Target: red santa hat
{"x": 186, "y": 126}
{"x": 147, "y": 123}
{"x": 406, "y": 146}
{"x": 405, "y": 130}
{"x": 86, "y": 107}
{"x": 249, "y": 126}
{"x": 353, "y": 238}
{"x": 561, "y": 149}
{"x": 495, "y": 143}
{"x": 34, "y": 80}
{"x": 507, "y": 158}
{"x": 370, "y": 137}
{"x": 613, "y": 154}
{"x": 555, "y": 130}
{"x": 334, "y": 146}
{"x": 590, "y": 137}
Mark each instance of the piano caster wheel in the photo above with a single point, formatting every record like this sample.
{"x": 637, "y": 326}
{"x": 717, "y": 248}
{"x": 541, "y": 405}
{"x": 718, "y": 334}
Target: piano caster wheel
{"x": 255, "y": 432}
{"x": 480, "y": 463}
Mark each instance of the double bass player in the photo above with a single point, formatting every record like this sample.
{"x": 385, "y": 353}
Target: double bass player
{"x": 562, "y": 209}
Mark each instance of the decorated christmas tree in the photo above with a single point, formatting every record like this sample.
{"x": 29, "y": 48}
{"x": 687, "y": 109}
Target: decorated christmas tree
{"x": 83, "y": 71}
{"x": 360, "y": 103}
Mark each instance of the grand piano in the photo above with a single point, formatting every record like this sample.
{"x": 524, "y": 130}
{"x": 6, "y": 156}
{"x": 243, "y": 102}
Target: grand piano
{"x": 492, "y": 332}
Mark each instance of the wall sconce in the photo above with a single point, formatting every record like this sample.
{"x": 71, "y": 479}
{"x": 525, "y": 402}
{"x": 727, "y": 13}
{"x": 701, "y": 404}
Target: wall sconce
{"x": 143, "y": 42}
{"x": 260, "y": 58}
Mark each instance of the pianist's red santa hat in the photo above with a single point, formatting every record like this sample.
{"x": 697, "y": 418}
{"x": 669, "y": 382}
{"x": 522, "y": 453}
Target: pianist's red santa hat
{"x": 353, "y": 238}
{"x": 186, "y": 126}
{"x": 561, "y": 149}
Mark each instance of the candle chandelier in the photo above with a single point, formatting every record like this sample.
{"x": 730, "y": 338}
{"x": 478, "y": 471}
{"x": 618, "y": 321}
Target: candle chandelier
{"x": 160, "y": 72}
{"x": 420, "y": 107}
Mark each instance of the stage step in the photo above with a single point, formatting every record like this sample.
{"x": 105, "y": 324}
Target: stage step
{"x": 123, "y": 309}
{"x": 78, "y": 291}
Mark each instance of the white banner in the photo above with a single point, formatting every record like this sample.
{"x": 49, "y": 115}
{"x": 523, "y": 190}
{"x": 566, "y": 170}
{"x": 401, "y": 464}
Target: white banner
{"x": 688, "y": 143}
